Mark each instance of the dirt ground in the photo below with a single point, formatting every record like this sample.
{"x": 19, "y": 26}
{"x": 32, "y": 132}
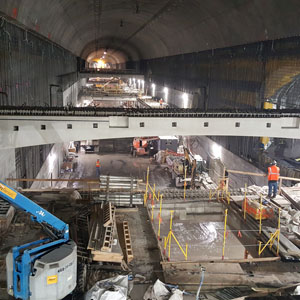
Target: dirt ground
{"x": 119, "y": 164}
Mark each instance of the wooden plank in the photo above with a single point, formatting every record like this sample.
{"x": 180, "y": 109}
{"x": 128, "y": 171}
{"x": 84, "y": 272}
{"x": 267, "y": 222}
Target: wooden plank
{"x": 234, "y": 261}
{"x": 259, "y": 174}
{"x": 56, "y": 179}
{"x": 245, "y": 173}
{"x": 107, "y": 256}
{"x": 127, "y": 210}
{"x": 108, "y": 238}
{"x": 108, "y": 214}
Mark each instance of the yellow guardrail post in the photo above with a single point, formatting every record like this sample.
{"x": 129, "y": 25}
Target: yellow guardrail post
{"x": 259, "y": 249}
{"x": 228, "y": 197}
{"x": 245, "y": 201}
{"x": 278, "y": 238}
{"x": 186, "y": 247}
{"x": 171, "y": 219}
{"x": 184, "y": 185}
{"x": 170, "y": 234}
{"x": 159, "y": 217}
{"x": 146, "y": 191}
{"x": 152, "y": 211}
{"x": 260, "y": 213}
{"x": 227, "y": 185}
{"x": 224, "y": 239}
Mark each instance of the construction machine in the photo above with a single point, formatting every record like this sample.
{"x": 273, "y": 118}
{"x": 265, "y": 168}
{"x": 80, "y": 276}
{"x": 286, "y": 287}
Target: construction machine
{"x": 143, "y": 146}
{"x": 187, "y": 168}
{"x": 44, "y": 269}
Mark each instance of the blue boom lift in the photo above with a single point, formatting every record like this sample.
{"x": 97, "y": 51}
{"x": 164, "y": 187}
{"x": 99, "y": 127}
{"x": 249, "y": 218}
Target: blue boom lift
{"x": 44, "y": 269}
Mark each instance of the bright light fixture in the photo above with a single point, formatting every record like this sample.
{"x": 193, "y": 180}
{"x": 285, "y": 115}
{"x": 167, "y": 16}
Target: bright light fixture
{"x": 52, "y": 158}
{"x": 166, "y": 91}
{"x": 100, "y": 64}
{"x": 153, "y": 89}
{"x": 216, "y": 150}
{"x": 185, "y": 98}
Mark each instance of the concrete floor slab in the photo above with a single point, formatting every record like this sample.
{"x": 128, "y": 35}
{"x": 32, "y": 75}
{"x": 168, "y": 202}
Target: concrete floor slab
{"x": 204, "y": 240}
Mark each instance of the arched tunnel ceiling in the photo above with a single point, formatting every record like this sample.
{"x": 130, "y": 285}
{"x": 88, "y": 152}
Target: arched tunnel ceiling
{"x": 156, "y": 28}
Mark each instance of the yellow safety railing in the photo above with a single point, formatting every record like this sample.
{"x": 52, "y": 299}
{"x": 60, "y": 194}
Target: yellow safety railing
{"x": 184, "y": 185}
{"x": 272, "y": 239}
{"x": 146, "y": 190}
{"x": 224, "y": 238}
{"x": 159, "y": 217}
{"x": 151, "y": 190}
{"x": 168, "y": 240}
{"x": 270, "y": 242}
{"x": 245, "y": 202}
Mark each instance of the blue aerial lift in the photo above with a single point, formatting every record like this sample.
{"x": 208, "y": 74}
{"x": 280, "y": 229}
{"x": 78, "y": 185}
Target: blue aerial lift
{"x": 44, "y": 269}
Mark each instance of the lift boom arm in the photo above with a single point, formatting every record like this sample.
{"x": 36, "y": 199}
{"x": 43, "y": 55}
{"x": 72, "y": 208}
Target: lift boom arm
{"x": 53, "y": 226}
{"x": 24, "y": 256}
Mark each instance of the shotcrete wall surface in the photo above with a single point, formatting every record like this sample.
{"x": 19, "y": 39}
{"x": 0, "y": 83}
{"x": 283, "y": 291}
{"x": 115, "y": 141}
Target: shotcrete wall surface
{"x": 51, "y": 166}
{"x": 204, "y": 146}
{"x": 8, "y": 167}
{"x": 241, "y": 76}
{"x": 29, "y": 64}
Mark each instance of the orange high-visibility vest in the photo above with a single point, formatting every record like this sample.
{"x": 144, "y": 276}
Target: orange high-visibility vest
{"x": 273, "y": 173}
{"x": 97, "y": 164}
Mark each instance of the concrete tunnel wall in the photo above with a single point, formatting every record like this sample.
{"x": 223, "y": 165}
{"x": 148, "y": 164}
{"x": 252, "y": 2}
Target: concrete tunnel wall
{"x": 29, "y": 65}
{"x": 240, "y": 77}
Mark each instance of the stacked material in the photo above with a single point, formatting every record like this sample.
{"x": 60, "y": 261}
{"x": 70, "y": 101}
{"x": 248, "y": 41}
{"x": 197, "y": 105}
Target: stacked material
{"x": 121, "y": 191}
{"x": 103, "y": 242}
{"x": 207, "y": 182}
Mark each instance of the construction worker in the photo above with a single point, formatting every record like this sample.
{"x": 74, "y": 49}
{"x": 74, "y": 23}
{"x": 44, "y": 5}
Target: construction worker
{"x": 161, "y": 102}
{"x": 98, "y": 167}
{"x": 273, "y": 176}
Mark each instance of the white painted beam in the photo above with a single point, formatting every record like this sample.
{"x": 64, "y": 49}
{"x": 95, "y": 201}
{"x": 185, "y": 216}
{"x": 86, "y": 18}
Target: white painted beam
{"x": 22, "y": 131}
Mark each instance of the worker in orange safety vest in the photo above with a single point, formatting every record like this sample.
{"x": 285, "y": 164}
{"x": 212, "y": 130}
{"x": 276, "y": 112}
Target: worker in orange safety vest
{"x": 161, "y": 102}
{"x": 98, "y": 167}
{"x": 273, "y": 176}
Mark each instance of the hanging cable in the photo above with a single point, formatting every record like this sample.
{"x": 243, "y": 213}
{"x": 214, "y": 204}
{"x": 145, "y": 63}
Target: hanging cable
{"x": 201, "y": 282}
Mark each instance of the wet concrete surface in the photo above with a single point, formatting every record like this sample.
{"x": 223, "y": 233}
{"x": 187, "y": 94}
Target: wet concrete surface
{"x": 204, "y": 240}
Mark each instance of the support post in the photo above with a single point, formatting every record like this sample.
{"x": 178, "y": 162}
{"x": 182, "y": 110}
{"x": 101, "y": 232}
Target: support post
{"x": 260, "y": 214}
{"x": 224, "y": 238}
{"x": 152, "y": 210}
{"x": 159, "y": 217}
{"x": 280, "y": 185}
{"x": 184, "y": 185}
{"x": 278, "y": 237}
{"x": 245, "y": 201}
{"x": 146, "y": 191}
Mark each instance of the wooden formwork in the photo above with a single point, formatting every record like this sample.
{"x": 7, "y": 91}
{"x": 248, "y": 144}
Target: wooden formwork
{"x": 127, "y": 239}
{"x": 103, "y": 241}
{"x": 108, "y": 238}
